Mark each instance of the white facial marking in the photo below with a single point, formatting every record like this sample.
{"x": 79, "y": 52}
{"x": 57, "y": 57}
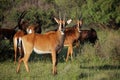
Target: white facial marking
{"x": 78, "y": 30}
{"x": 62, "y": 33}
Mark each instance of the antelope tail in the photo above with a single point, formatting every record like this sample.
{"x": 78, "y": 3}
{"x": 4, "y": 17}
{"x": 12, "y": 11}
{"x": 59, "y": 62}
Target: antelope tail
{"x": 20, "y": 47}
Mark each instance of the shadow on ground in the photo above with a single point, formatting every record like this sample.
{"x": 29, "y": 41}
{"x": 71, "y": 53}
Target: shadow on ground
{"x": 104, "y": 67}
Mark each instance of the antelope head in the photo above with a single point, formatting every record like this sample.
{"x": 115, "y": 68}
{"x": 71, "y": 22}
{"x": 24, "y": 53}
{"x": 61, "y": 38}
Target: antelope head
{"x": 79, "y": 24}
{"x": 30, "y": 29}
{"x": 61, "y": 24}
{"x": 22, "y": 24}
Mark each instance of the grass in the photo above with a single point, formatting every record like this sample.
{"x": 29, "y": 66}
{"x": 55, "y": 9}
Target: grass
{"x": 72, "y": 70}
{"x": 90, "y": 63}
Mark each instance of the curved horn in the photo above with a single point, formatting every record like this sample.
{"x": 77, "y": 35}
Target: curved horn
{"x": 60, "y": 16}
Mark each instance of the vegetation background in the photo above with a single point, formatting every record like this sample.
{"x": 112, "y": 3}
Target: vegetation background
{"x": 90, "y": 63}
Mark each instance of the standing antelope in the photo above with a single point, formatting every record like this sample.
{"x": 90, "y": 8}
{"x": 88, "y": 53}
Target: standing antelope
{"x": 21, "y": 30}
{"x": 72, "y": 34}
{"x": 25, "y": 29}
{"x": 17, "y": 42}
{"x": 43, "y": 43}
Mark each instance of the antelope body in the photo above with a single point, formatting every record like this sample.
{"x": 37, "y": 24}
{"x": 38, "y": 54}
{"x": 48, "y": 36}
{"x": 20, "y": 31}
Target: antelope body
{"x": 23, "y": 30}
{"x": 72, "y": 34}
{"x": 22, "y": 25}
{"x": 51, "y": 42}
{"x": 88, "y": 35}
{"x": 17, "y": 42}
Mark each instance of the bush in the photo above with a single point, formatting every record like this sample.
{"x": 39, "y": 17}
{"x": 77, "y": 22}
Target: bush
{"x": 6, "y": 50}
{"x": 109, "y": 45}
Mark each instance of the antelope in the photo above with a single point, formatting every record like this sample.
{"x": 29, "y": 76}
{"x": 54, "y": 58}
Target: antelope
{"x": 16, "y": 41}
{"x": 72, "y": 34}
{"x": 51, "y": 42}
{"x": 22, "y": 25}
{"x": 88, "y": 35}
{"x": 25, "y": 29}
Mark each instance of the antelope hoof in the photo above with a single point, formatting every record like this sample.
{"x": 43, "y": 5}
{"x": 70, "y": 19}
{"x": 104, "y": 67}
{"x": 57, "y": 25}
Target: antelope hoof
{"x": 55, "y": 73}
{"x": 17, "y": 71}
{"x": 66, "y": 60}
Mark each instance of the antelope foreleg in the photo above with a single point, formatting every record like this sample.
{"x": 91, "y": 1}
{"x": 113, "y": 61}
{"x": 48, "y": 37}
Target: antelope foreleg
{"x": 68, "y": 53}
{"x": 54, "y": 62}
{"x": 71, "y": 52}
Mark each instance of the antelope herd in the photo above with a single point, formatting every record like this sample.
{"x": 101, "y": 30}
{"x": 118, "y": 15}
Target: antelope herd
{"x": 28, "y": 38}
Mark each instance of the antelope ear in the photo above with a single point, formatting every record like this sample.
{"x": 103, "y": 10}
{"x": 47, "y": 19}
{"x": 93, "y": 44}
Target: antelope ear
{"x": 69, "y": 21}
{"x": 56, "y": 20}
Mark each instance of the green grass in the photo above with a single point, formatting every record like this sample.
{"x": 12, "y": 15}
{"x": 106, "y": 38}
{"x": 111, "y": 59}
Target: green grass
{"x": 90, "y": 63}
{"x": 72, "y": 70}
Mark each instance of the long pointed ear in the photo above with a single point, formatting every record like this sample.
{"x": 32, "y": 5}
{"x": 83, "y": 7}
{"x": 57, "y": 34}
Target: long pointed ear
{"x": 56, "y": 20}
{"x": 69, "y": 21}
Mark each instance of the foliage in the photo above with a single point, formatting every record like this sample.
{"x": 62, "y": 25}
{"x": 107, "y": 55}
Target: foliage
{"x": 5, "y": 50}
{"x": 101, "y": 11}
{"x": 105, "y": 12}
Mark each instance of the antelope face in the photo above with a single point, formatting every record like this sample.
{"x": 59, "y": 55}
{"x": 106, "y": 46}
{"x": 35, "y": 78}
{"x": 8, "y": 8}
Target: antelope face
{"x": 61, "y": 25}
{"x": 79, "y": 23}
